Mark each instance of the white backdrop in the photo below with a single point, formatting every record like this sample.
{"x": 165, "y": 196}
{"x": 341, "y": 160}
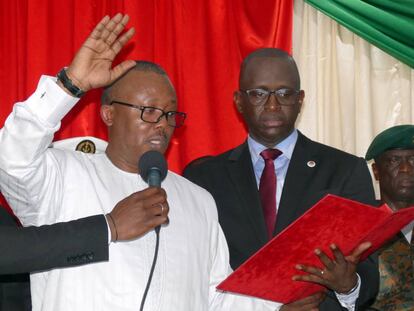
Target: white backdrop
{"x": 353, "y": 89}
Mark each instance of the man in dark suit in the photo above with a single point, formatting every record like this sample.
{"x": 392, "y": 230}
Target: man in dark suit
{"x": 393, "y": 153}
{"x": 269, "y": 99}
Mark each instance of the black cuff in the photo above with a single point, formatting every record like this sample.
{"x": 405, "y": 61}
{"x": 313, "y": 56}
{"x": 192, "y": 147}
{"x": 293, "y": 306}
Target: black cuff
{"x": 68, "y": 84}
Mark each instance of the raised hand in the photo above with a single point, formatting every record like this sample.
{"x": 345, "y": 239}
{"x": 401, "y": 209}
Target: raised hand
{"x": 92, "y": 64}
{"x": 339, "y": 273}
{"x": 310, "y": 303}
{"x": 138, "y": 213}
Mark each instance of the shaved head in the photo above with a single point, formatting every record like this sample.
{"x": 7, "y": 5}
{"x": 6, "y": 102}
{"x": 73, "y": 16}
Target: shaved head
{"x": 141, "y": 65}
{"x": 272, "y": 53}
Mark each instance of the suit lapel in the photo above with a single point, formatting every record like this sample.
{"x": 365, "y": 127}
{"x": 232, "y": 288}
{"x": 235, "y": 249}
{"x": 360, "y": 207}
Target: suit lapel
{"x": 240, "y": 170}
{"x": 298, "y": 178}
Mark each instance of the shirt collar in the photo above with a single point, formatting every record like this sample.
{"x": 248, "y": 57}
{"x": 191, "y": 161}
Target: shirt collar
{"x": 286, "y": 146}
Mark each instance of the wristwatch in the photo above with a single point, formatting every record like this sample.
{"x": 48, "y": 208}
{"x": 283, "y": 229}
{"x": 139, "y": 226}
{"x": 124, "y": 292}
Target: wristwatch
{"x": 68, "y": 84}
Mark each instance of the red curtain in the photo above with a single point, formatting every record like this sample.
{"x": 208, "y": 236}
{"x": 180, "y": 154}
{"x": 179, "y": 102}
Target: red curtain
{"x": 200, "y": 43}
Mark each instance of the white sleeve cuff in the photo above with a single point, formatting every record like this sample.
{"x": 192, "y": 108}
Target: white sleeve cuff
{"x": 50, "y": 103}
{"x": 348, "y": 301}
{"x": 109, "y": 230}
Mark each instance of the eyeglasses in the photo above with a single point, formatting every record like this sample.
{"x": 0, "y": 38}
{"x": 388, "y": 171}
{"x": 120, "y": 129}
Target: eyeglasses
{"x": 285, "y": 96}
{"x": 154, "y": 115}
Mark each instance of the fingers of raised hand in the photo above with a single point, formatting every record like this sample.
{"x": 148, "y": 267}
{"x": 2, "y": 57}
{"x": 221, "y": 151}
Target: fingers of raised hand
{"x": 116, "y": 45}
{"x": 114, "y": 27}
{"x": 97, "y": 32}
{"x": 100, "y": 26}
{"x": 106, "y": 26}
{"x": 107, "y": 31}
{"x": 91, "y": 67}
{"x": 120, "y": 69}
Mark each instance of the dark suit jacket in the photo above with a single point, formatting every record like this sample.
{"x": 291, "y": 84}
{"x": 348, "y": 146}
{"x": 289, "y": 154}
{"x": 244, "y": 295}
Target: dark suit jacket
{"x": 229, "y": 177}
{"x": 38, "y": 248}
{"x": 66, "y": 244}
{"x": 14, "y": 288}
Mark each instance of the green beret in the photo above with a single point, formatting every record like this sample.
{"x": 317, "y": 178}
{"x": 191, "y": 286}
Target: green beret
{"x": 396, "y": 137}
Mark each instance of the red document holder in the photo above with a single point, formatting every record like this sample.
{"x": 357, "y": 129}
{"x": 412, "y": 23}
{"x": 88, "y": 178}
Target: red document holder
{"x": 268, "y": 273}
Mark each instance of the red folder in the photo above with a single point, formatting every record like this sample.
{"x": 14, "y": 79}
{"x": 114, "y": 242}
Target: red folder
{"x": 268, "y": 273}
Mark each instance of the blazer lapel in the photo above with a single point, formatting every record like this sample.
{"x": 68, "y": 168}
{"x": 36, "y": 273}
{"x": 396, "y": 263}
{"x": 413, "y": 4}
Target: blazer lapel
{"x": 298, "y": 178}
{"x": 240, "y": 170}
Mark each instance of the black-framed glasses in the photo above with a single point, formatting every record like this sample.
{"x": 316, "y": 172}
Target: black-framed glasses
{"x": 285, "y": 96}
{"x": 153, "y": 115}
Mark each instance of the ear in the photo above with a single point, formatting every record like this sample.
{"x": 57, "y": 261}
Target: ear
{"x": 107, "y": 114}
{"x": 238, "y": 101}
{"x": 301, "y": 98}
{"x": 375, "y": 171}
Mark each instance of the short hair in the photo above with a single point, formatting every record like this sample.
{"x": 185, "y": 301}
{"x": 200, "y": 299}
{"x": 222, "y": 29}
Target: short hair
{"x": 270, "y": 53}
{"x": 140, "y": 65}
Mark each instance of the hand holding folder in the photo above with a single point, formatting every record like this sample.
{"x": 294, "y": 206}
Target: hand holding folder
{"x": 333, "y": 220}
{"x": 337, "y": 274}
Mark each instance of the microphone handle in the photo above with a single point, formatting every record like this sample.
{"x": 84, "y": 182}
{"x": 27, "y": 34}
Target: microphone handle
{"x": 154, "y": 180}
{"x": 154, "y": 177}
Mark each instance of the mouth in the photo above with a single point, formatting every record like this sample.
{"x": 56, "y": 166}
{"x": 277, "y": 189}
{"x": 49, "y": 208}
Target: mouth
{"x": 272, "y": 122}
{"x": 157, "y": 141}
{"x": 407, "y": 183}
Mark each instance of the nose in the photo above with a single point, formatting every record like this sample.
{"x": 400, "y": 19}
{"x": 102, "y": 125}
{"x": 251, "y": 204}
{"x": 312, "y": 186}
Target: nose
{"x": 162, "y": 123}
{"x": 272, "y": 102}
{"x": 406, "y": 166}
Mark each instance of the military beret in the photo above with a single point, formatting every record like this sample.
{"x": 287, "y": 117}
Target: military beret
{"x": 396, "y": 137}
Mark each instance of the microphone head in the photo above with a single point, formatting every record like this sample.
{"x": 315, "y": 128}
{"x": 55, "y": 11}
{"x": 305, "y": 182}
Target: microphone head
{"x": 152, "y": 160}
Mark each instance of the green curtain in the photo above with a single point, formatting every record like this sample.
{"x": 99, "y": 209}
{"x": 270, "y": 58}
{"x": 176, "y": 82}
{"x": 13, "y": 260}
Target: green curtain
{"x": 388, "y": 24}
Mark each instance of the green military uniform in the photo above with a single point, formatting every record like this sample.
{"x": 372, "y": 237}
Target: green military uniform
{"x": 396, "y": 258}
{"x": 396, "y": 265}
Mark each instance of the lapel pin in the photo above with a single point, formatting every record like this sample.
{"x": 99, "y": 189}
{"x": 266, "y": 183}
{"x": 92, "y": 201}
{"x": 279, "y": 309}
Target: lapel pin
{"x": 311, "y": 163}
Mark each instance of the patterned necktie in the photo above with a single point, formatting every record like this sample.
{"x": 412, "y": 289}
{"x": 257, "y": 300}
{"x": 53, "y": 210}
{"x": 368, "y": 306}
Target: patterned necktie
{"x": 267, "y": 189}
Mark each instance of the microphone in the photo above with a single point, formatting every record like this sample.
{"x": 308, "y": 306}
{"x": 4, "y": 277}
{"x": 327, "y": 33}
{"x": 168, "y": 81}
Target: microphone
{"x": 153, "y": 168}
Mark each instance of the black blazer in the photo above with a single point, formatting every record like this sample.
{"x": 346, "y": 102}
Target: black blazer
{"x": 38, "y": 248}
{"x": 229, "y": 177}
{"x": 14, "y": 288}
{"x": 66, "y": 244}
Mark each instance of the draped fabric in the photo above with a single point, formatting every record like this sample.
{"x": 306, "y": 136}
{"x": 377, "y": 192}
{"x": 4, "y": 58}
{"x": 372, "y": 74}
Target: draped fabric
{"x": 388, "y": 24}
{"x": 200, "y": 44}
{"x": 353, "y": 89}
